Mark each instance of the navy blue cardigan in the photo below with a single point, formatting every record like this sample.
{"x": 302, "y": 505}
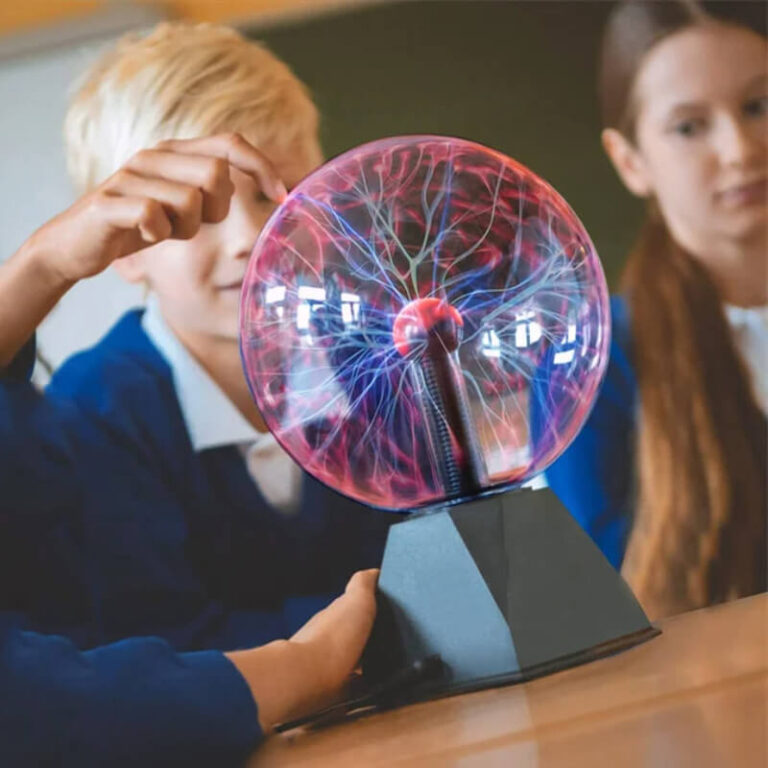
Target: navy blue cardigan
{"x": 594, "y": 477}
{"x": 183, "y": 545}
{"x": 132, "y": 703}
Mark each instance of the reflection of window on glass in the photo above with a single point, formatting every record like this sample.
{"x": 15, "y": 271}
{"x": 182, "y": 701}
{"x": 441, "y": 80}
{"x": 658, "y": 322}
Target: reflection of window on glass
{"x": 527, "y": 330}
{"x": 564, "y": 356}
{"x": 350, "y": 309}
{"x": 275, "y": 295}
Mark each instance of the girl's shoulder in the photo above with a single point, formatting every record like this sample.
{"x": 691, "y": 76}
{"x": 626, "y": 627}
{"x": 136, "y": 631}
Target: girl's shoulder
{"x": 621, "y": 322}
{"x": 620, "y": 383}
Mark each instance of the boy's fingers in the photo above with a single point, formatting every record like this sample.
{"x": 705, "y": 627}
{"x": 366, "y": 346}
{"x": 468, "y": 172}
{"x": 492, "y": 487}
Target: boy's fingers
{"x": 233, "y": 148}
{"x": 208, "y": 174}
{"x": 183, "y": 203}
{"x": 363, "y": 581}
{"x": 357, "y": 604}
{"x": 359, "y": 597}
{"x": 142, "y": 214}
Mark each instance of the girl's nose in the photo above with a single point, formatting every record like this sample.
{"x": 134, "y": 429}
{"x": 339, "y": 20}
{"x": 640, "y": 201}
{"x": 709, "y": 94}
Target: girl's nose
{"x": 740, "y": 142}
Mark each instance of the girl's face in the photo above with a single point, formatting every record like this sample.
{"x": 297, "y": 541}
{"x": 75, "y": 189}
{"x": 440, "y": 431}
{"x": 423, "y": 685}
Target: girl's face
{"x": 701, "y": 135}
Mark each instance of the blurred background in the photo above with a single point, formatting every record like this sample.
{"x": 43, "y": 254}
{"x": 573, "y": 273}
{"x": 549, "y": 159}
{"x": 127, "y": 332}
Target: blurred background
{"x": 517, "y": 75}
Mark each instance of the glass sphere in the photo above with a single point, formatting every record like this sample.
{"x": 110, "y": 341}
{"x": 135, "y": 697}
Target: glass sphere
{"x": 424, "y": 320}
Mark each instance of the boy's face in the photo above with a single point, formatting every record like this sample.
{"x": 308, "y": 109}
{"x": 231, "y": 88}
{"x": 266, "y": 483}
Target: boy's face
{"x": 197, "y": 281}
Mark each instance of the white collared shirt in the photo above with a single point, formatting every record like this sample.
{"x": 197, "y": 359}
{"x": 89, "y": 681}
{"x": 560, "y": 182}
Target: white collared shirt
{"x": 213, "y": 421}
{"x": 750, "y": 332}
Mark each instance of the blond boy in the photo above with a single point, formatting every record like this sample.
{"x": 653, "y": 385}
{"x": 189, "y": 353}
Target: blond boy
{"x": 235, "y": 546}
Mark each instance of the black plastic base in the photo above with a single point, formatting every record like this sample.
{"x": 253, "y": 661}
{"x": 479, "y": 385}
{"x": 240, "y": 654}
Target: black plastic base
{"x": 503, "y": 589}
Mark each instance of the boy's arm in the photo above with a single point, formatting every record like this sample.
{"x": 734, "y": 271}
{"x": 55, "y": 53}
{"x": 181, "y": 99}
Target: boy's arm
{"x": 29, "y": 289}
{"x": 166, "y": 192}
{"x": 133, "y": 703}
{"x": 138, "y": 703}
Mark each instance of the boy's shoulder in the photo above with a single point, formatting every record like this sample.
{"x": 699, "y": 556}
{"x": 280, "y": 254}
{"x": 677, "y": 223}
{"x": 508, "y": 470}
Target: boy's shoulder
{"x": 123, "y": 360}
{"x": 122, "y": 380}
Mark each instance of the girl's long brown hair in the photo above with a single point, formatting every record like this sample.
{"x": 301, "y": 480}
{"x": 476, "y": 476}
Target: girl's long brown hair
{"x": 699, "y": 534}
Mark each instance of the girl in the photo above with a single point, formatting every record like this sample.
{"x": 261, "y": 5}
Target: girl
{"x": 679, "y": 430}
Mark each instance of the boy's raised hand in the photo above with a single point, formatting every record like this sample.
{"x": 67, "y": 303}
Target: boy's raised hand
{"x": 160, "y": 193}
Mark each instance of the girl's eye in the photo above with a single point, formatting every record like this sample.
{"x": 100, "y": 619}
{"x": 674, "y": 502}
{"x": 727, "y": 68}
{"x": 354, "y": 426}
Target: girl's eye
{"x": 756, "y": 107}
{"x": 689, "y": 128}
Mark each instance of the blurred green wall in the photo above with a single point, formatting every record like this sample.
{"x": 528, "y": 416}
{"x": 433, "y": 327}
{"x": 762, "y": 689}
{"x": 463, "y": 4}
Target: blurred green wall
{"x": 516, "y": 75}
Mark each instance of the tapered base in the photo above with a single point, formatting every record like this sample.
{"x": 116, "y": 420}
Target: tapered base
{"x": 503, "y": 589}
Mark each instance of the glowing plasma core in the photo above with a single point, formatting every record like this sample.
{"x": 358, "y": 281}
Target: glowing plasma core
{"x": 424, "y": 319}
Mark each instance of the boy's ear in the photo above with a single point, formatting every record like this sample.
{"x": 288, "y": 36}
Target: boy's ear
{"x": 627, "y": 161}
{"x": 131, "y": 268}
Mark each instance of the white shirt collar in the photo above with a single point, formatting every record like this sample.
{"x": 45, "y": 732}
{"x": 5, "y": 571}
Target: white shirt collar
{"x": 211, "y": 417}
{"x": 757, "y": 316}
{"x": 750, "y": 328}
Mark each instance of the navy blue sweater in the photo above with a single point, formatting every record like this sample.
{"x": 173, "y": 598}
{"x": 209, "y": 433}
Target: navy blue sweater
{"x": 182, "y": 544}
{"x": 132, "y": 703}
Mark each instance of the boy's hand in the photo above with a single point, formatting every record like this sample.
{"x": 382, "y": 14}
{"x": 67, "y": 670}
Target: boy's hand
{"x": 165, "y": 192}
{"x": 333, "y": 639}
{"x": 160, "y": 193}
{"x": 289, "y": 678}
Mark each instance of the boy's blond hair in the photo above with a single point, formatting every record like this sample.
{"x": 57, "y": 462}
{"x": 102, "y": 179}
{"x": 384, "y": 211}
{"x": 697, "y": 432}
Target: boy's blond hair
{"x": 183, "y": 81}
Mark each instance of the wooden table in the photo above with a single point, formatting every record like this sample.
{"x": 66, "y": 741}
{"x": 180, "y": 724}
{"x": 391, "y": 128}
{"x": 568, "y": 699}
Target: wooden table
{"x": 695, "y": 696}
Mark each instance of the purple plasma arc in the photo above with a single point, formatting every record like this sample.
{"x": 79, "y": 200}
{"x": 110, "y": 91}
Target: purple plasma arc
{"x": 424, "y": 320}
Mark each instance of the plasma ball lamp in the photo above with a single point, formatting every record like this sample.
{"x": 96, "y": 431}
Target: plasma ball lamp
{"x": 405, "y": 228}
{"x": 424, "y": 326}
